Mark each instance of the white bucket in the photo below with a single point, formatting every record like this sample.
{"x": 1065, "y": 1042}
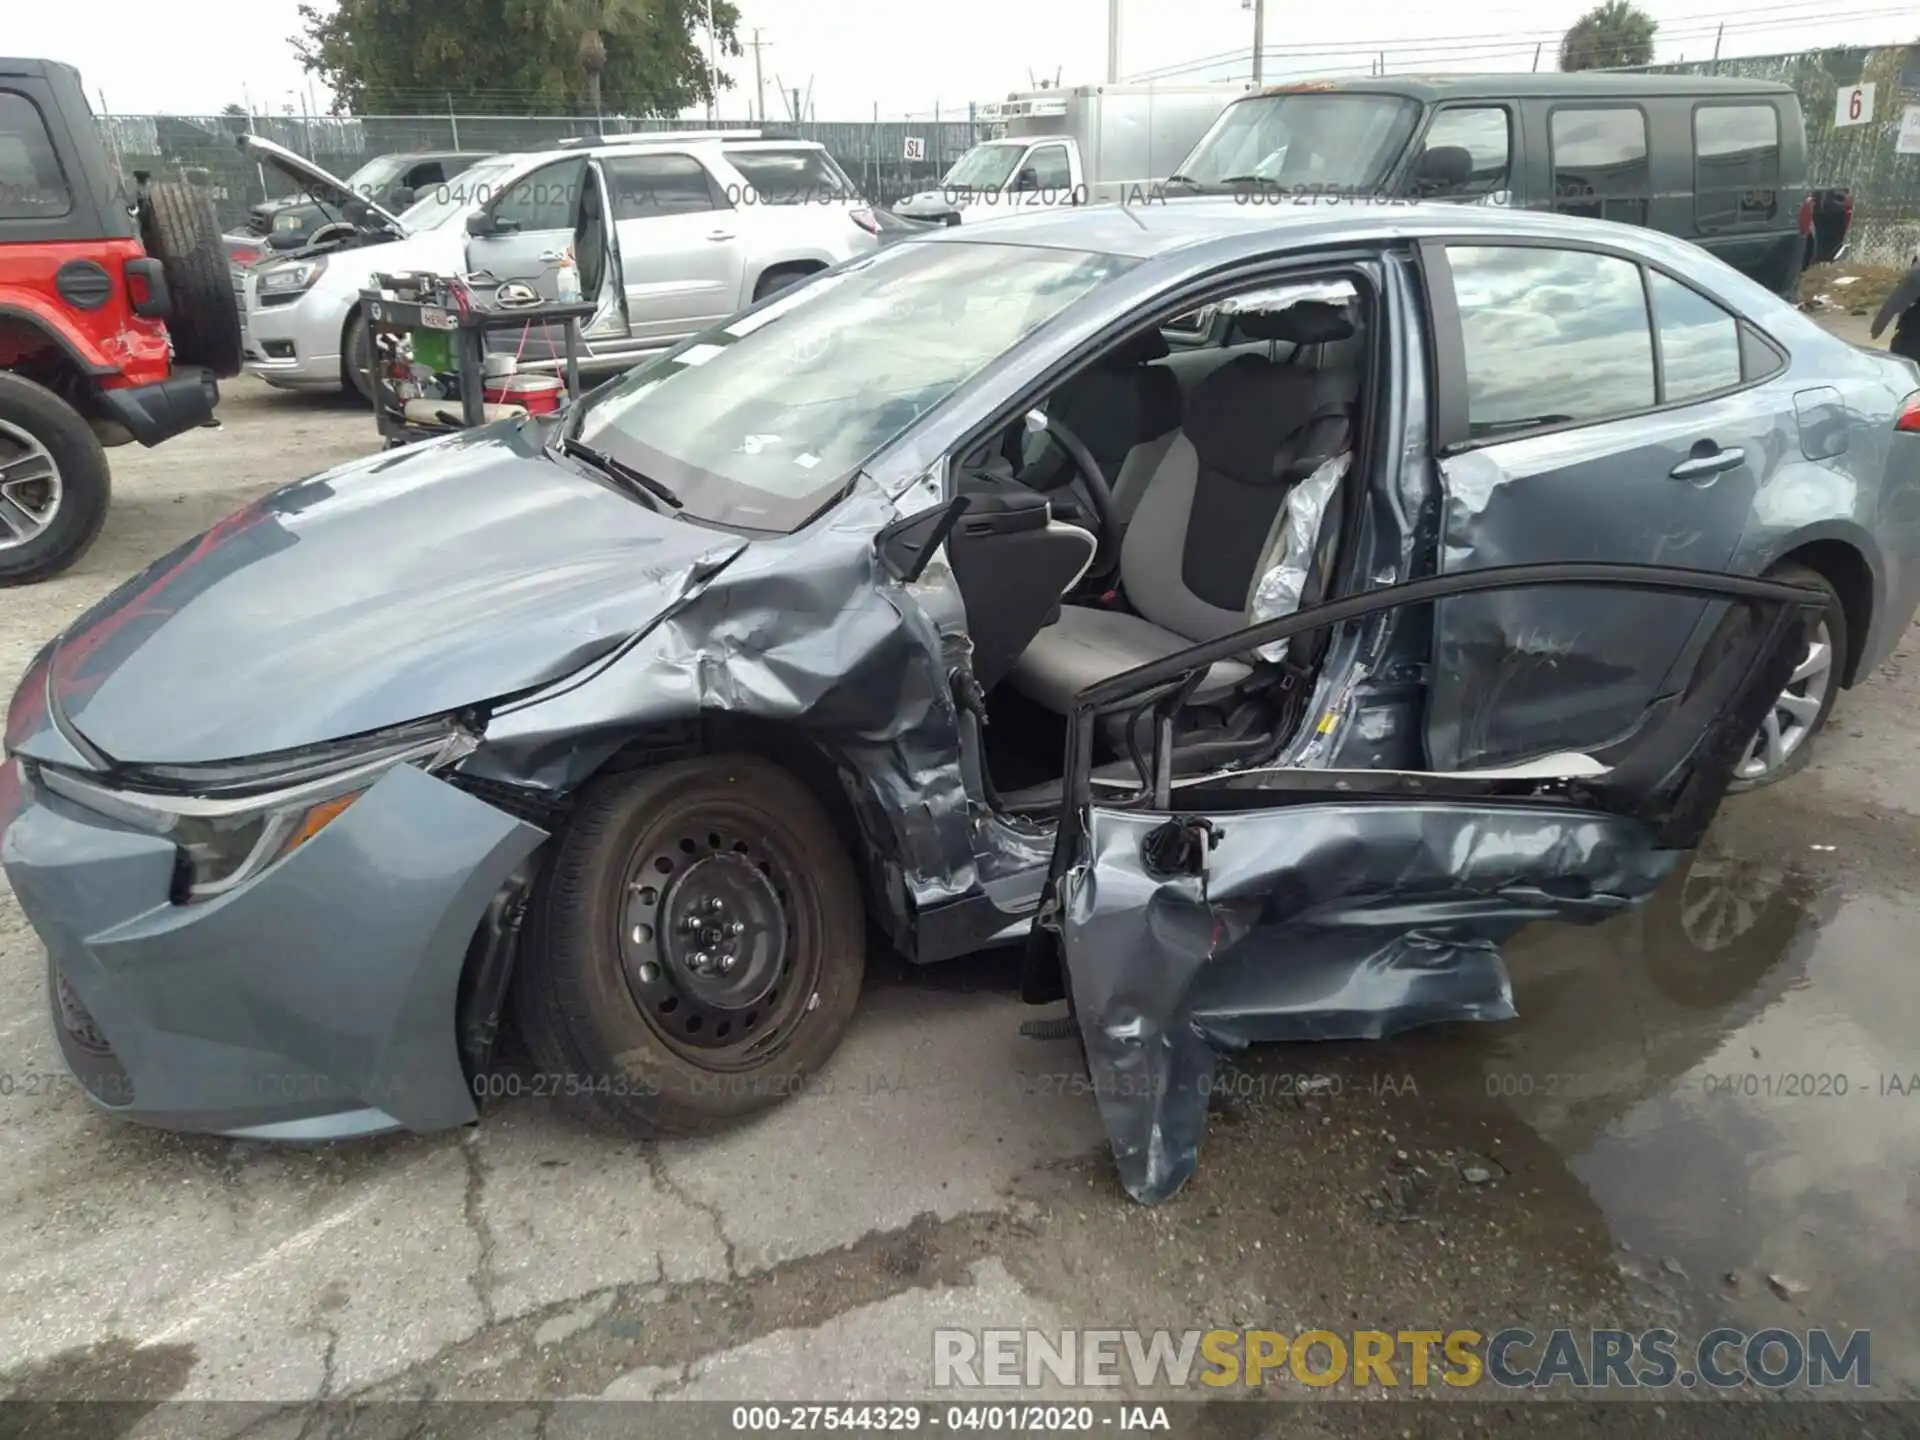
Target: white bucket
{"x": 499, "y": 367}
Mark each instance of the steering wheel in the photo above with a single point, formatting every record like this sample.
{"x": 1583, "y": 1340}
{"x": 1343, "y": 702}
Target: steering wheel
{"x": 1092, "y": 483}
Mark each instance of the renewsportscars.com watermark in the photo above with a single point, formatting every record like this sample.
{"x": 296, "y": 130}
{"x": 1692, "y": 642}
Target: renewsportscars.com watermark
{"x": 1511, "y": 1359}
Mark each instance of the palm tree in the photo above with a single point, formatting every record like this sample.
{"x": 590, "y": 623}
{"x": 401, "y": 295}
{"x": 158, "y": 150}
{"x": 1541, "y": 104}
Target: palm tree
{"x": 593, "y": 18}
{"x": 1613, "y": 34}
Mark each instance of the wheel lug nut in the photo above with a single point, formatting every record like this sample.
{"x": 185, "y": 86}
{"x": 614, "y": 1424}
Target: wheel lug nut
{"x": 701, "y": 960}
{"x": 727, "y": 962}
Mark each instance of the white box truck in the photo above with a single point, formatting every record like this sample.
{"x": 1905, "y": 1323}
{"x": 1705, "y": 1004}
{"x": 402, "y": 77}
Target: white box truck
{"x": 1076, "y": 146}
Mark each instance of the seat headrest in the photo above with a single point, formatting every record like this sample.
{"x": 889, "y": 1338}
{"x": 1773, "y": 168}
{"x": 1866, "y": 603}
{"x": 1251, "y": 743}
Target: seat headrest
{"x": 1444, "y": 167}
{"x": 1241, "y": 417}
{"x": 1142, "y": 349}
{"x": 1305, "y": 322}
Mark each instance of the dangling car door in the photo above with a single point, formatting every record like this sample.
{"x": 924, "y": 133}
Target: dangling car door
{"x": 535, "y": 222}
{"x": 1197, "y": 914}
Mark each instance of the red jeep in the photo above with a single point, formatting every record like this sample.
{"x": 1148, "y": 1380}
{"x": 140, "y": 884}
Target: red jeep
{"x": 117, "y": 317}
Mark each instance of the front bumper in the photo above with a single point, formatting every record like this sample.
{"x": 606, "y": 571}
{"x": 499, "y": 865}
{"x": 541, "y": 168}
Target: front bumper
{"x": 296, "y": 345}
{"x": 314, "y": 1002}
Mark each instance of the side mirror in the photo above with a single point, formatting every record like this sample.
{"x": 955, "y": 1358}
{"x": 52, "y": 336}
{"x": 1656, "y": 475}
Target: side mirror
{"x": 1029, "y": 179}
{"x": 286, "y": 240}
{"x": 483, "y": 222}
{"x": 906, "y": 546}
{"x": 403, "y": 196}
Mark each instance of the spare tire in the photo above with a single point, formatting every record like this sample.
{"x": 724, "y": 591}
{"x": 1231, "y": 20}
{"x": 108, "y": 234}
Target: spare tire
{"x": 179, "y": 229}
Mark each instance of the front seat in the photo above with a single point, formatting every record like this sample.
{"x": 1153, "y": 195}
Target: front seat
{"x": 1125, "y": 410}
{"x": 1207, "y": 517}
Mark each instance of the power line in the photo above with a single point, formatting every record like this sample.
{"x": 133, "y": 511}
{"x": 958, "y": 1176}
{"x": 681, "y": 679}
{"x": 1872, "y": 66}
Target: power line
{"x": 1510, "y": 43}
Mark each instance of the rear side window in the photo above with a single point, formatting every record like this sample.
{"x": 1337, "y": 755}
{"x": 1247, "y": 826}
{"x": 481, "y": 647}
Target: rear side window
{"x": 789, "y": 177}
{"x": 1600, "y": 163}
{"x": 1699, "y": 342}
{"x": 1553, "y": 337}
{"x": 32, "y": 186}
{"x": 644, "y": 187}
{"x": 1736, "y": 165}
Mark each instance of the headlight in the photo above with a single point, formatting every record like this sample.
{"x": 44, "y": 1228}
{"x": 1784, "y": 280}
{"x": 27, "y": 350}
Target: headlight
{"x": 291, "y": 278}
{"x": 286, "y": 222}
{"x": 225, "y": 839}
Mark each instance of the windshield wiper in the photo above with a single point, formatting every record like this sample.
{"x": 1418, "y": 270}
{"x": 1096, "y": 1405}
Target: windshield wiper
{"x": 619, "y": 470}
{"x": 1179, "y": 179}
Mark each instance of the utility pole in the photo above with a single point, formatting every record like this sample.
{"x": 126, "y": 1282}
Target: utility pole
{"x": 1536, "y": 54}
{"x": 713, "y": 70}
{"x": 1113, "y": 42}
{"x": 759, "y": 83}
{"x": 1716, "y": 45}
{"x": 1259, "y": 35}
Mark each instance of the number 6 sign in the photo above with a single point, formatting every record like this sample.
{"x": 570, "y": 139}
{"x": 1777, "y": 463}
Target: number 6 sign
{"x": 1853, "y": 105}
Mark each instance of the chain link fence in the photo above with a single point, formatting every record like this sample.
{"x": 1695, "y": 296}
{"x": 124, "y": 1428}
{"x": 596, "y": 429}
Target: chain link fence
{"x": 886, "y": 159}
{"x": 1863, "y": 157}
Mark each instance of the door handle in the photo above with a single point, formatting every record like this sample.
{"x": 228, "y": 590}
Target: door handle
{"x": 720, "y": 235}
{"x": 1716, "y": 462}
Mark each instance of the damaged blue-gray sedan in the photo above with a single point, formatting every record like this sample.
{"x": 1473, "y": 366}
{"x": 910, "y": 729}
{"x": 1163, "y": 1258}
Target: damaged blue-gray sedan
{"x": 1259, "y": 612}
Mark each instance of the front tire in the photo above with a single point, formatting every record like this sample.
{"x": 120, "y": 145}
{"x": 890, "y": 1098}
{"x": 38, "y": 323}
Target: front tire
{"x": 1785, "y": 742}
{"x": 695, "y": 947}
{"x": 54, "y": 483}
{"x": 356, "y": 358}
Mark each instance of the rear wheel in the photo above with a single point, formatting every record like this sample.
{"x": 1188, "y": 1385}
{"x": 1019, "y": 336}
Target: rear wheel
{"x": 180, "y": 230}
{"x": 782, "y": 277}
{"x": 54, "y": 483}
{"x": 1785, "y": 741}
{"x": 695, "y": 947}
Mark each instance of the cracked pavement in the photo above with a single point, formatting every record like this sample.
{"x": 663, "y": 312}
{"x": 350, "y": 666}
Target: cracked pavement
{"x": 946, "y": 1172}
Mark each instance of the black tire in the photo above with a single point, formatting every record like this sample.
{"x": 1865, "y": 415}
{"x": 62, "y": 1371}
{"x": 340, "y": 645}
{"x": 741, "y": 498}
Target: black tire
{"x": 658, "y": 1053}
{"x": 782, "y": 277}
{"x": 356, "y": 358}
{"x": 1836, "y": 621}
{"x": 180, "y": 230}
{"x": 84, "y": 482}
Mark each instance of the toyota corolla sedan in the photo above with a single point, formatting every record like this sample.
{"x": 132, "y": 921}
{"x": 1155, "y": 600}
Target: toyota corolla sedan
{"x": 1259, "y": 613}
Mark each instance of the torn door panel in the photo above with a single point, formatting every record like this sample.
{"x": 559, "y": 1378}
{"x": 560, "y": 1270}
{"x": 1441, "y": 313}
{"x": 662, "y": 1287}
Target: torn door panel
{"x": 1315, "y": 922}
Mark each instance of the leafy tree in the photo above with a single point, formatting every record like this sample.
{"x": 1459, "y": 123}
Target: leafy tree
{"x": 400, "y": 57}
{"x": 1614, "y": 33}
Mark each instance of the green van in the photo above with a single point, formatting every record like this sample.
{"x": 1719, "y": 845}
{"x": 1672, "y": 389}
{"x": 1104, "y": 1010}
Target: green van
{"x": 1713, "y": 159}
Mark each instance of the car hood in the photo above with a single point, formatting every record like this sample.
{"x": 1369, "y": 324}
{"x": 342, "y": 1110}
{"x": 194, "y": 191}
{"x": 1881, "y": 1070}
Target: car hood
{"x": 327, "y": 188}
{"x": 393, "y": 589}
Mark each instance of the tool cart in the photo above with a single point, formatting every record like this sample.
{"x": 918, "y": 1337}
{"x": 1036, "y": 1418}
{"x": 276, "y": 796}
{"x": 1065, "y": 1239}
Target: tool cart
{"x": 433, "y": 371}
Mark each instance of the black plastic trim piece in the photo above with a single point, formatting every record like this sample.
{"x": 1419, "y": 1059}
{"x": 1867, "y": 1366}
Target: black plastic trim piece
{"x": 157, "y": 412}
{"x": 84, "y": 284}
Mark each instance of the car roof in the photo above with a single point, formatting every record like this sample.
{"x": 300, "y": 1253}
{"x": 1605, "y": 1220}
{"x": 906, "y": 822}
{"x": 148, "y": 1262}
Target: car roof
{"x": 1208, "y": 230}
{"x": 1523, "y": 85}
{"x": 642, "y": 146}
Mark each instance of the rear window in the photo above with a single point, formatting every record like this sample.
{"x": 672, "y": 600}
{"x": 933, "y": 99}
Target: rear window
{"x": 1736, "y": 165}
{"x": 32, "y": 186}
{"x": 1600, "y": 163}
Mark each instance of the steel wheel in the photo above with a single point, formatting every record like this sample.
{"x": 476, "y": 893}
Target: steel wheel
{"x": 710, "y": 940}
{"x": 1796, "y": 714}
{"x": 29, "y": 487}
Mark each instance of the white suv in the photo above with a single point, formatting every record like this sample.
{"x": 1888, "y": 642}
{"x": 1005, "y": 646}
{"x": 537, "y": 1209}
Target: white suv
{"x": 705, "y": 223}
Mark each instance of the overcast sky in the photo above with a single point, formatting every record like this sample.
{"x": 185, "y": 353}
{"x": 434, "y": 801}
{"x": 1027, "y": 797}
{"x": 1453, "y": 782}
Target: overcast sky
{"x": 856, "y": 53}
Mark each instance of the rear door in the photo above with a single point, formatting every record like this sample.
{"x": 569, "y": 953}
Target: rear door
{"x": 1199, "y": 914}
{"x": 681, "y": 244}
{"x": 1590, "y": 409}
